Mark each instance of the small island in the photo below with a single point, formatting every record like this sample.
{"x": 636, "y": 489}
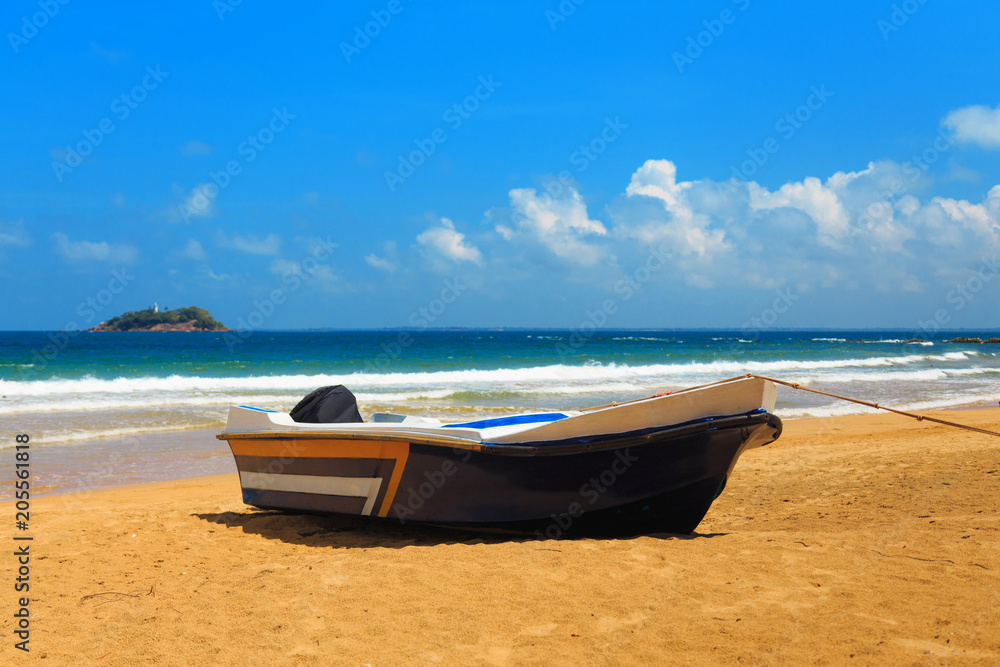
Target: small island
{"x": 191, "y": 318}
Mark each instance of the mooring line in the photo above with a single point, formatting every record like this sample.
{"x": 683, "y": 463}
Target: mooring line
{"x": 796, "y": 385}
{"x": 913, "y": 415}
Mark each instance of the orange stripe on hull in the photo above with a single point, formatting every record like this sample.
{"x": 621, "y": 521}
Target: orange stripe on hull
{"x": 333, "y": 449}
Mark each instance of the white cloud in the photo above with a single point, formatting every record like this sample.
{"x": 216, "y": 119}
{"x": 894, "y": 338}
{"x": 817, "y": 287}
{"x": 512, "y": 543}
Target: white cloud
{"x": 377, "y": 262}
{"x": 982, "y": 220}
{"x": 658, "y": 178}
{"x": 324, "y": 273}
{"x": 118, "y": 199}
{"x": 689, "y": 231}
{"x": 865, "y": 231}
{"x": 446, "y": 242}
{"x": 193, "y": 250}
{"x": 559, "y": 225}
{"x": 975, "y": 124}
{"x": 101, "y": 251}
{"x": 318, "y": 276}
{"x": 387, "y": 263}
{"x": 284, "y": 267}
{"x": 816, "y": 200}
{"x": 200, "y": 202}
{"x": 852, "y": 229}
{"x": 195, "y": 147}
{"x": 254, "y": 245}
{"x": 13, "y": 234}
{"x": 698, "y": 280}
{"x": 959, "y": 172}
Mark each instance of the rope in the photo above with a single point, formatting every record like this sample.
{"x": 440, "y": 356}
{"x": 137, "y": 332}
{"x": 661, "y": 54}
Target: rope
{"x": 913, "y": 415}
{"x": 796, "y": 385}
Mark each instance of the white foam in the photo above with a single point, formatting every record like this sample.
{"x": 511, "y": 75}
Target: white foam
{"x": 147, "y": 403}
{"x": 140, "y": 403}
{"x": 924, "y": 375}
{"x": 127, "y": 435}
{"x": 469, "y": 379}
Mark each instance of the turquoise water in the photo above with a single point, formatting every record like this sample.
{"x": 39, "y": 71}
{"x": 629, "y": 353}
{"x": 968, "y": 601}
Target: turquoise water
{"x": 74, "y": 387}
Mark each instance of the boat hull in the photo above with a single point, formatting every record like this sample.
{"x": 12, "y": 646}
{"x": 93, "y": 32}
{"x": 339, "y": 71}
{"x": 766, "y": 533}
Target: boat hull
{"x": 649, "y": 481}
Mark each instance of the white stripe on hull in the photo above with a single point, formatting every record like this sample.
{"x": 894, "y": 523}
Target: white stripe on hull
{"x": 358, "y": 487}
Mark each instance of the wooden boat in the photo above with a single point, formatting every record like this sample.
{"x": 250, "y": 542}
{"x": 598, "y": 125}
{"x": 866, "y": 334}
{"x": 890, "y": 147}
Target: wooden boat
{"x": 649, "y": 465}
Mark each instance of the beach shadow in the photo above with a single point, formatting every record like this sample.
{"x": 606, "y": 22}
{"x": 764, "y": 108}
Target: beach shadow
{"x": 320, "y": 530}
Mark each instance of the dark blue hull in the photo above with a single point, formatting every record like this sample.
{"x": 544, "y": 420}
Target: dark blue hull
{"x": 660, "y": 481}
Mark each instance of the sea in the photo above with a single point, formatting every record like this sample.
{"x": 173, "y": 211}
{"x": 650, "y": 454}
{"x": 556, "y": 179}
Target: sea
{"x": 80, "y": 393}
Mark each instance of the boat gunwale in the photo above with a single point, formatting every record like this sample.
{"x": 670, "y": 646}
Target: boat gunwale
{"x": 757, "y": 417}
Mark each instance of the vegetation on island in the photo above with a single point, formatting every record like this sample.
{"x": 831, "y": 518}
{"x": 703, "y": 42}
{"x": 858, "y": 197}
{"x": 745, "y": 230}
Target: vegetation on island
{"x": 191, "y": 318}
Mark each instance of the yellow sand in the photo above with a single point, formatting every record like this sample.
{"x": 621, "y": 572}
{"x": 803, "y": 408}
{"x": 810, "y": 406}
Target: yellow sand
{"x": 862, "y": 540}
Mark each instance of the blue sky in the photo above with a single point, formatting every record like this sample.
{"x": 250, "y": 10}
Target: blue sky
{"x": 370, "y": 164}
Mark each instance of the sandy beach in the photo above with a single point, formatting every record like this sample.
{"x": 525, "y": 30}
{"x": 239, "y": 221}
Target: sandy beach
{"x": 866, "y": 539}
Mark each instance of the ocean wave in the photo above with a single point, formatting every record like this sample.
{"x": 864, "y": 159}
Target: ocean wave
{"x": 974, "y": 370}
{"x": 127, "y": 435}
{"x": 158, "y": 402}
{"x": 883, "y": 341}
{"x": 150, "y": 402}
{"x": 952, "y": 356}
{"x": 922, "y": 375}
{"x": 556, "y": 374}
{"x": 647, "y": 338}
{"x": 543, "y": 390}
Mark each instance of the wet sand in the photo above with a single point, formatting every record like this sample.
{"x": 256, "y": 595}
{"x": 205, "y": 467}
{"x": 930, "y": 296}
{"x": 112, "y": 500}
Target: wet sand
{"x": 124, "y": 460}
{"x": 862, "y": 540}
